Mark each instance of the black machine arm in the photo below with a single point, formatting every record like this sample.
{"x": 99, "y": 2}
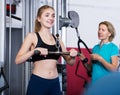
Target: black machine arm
{"x": 85, "y": 60}
{"x": 81, "y": 41}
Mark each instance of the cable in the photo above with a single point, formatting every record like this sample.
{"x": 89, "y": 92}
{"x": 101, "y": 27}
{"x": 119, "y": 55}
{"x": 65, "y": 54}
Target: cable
{"x": 85, "y": 60}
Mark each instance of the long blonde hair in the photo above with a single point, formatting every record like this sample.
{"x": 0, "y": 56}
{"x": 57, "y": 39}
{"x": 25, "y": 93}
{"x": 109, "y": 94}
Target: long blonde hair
{"x": 39, "y": 13}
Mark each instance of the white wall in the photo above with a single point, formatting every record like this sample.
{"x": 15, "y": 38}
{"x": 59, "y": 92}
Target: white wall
{"x": 91, "y": 13}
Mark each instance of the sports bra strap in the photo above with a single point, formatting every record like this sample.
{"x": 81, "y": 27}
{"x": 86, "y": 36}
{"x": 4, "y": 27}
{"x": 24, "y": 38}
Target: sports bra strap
{"x": 54, "y": 36}
{"x": 37, "y": 35}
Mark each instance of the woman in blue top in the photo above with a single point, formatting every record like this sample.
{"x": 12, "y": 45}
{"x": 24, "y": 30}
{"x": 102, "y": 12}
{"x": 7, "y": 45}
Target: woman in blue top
{"x": 105, "y": 53}
{"x": 104, "y": 57}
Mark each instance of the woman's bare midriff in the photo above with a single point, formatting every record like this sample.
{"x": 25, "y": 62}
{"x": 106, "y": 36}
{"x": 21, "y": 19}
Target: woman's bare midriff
{"x": 46, "y": 69}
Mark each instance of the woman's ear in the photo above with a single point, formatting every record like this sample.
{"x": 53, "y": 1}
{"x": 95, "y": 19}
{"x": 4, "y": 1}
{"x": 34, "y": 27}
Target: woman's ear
{"x": 38, "y": 18}
{"x": 109, "y": 34}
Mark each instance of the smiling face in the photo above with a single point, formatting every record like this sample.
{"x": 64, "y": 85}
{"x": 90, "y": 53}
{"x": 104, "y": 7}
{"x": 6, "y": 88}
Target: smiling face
{"x": 47, "y": 18}
{"x": 103, "y": 33}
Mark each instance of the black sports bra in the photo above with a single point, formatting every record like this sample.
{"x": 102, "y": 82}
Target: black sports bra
{"x": 51, "y": 48}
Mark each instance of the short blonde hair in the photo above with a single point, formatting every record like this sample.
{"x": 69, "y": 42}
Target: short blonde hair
{"x": 110, "y": 28}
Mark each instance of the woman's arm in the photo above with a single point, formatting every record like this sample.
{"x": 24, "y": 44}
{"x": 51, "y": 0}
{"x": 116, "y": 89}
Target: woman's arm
{"x": 70, "y": 59}
{"x": 85, "y": 63}
{"x": 110, "y": 66}
{"x": 24, "y": 53}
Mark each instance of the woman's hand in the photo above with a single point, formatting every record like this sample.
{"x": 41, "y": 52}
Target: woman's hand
{"x": 73, "y": 53}
{"x": 96, "y": 57}
{"x": 82, "y": 56}
{"x": 43, "y": 51}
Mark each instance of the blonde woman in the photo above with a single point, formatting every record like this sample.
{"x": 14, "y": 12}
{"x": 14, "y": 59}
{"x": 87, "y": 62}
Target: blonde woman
{"x": 44, "y": 79}
{"x": 105, "y": 53}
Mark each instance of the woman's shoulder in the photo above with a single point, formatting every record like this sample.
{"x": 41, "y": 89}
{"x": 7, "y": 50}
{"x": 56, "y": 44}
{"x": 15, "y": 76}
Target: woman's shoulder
{"x": 113, "y": 45}
{"x": 31, "y": 34}
{"x": 96, "y": 45}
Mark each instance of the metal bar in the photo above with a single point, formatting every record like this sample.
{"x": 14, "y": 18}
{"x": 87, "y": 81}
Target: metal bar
{"x": 59, "y": 53}
{"x": 62, "y": 53}
{"x": 10, "y": 26}
{"x": 2, "y": 37}
{"x": 23, "y": 34}
{"x": 2, "y": 34}
{"x": 55, "y": 27}
{"x": 26, "y": 20}
{"x": 63, "y": 29}
{"x": 64, "y": 33}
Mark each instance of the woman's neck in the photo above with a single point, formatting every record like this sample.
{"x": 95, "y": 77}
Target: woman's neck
{"x": 45, "y": 31}
{"x": 103, "y": 42}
